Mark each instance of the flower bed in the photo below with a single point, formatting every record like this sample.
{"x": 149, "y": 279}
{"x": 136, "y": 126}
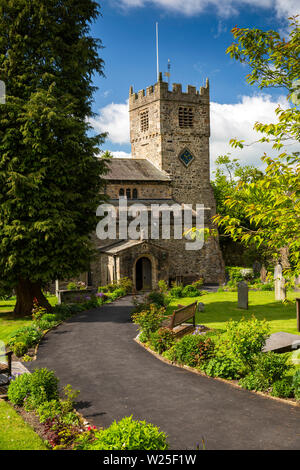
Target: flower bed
{"x": 35, "y": 397}
{"x": 234, "y": 355}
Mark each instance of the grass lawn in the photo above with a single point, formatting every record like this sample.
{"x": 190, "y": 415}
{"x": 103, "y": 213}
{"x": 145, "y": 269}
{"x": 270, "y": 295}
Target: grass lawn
{"x": 8, "y": 323}
{"x": 15, "y": 434}
{"x": 222, "y": 306}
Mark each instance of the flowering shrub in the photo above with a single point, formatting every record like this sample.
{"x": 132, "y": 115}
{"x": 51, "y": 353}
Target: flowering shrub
{"x": 193, "y": 350}
{"x": 162, "y": 339}
{"x": 245, "y": 338}
{"x": 149, "y": 320}
{"x": 127, "y": 434}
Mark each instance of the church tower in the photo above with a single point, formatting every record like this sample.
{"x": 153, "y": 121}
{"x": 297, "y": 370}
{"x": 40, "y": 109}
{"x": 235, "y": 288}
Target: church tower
{"x": 171, "y": 129}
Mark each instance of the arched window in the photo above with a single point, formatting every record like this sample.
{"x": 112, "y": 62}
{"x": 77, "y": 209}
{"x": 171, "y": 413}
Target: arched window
{"x": 134, "y": 194}
{"x": 128, "y": 193}
{"x": 121, "y": 192}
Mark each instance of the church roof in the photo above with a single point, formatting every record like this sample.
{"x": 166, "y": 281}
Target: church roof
{"x": 134, "y": 169}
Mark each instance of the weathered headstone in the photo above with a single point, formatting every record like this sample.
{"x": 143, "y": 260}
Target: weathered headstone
{"x": 256, "y": 267}
{"x": 278, "y": 271}
{"x": 263, "y": 274}
{"x": 243, "y": 295}
{"x": 297, "y": 284}
{"x": 200, "y": 307}
{"x": 280, "y": 289}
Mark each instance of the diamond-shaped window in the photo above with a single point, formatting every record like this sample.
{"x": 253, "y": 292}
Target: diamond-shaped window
{"x": 186, "y": 157}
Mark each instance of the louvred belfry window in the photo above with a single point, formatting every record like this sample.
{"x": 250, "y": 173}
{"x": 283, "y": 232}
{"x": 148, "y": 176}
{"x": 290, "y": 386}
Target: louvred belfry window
{"x": 144, "y": 120}
{"x": 185, "y": 116}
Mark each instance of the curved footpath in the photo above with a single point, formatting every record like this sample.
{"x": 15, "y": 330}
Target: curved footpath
{"x": 95, "y": 352}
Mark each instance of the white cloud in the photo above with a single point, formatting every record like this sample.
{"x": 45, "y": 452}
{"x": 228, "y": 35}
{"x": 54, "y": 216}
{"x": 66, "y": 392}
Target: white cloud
{"x": 236, "y": 121}
{"x": 120, "y": 154}
{"x": 227, "y": 121}
{"x": 226, "y": 8}
{"x": 113, "y": 119}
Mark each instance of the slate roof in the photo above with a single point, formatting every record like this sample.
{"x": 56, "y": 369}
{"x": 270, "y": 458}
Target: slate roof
{"x": 133, "y": 169}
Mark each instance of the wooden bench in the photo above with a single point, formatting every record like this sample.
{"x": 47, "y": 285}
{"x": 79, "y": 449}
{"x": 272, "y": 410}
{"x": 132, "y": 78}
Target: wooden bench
{"x": 176, "y": 321}
{"x": 5, "y": 367}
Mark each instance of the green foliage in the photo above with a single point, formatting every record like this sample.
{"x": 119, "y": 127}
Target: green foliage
{"x": 271, "y": 366}
{"x": 19, "y": 388}
{"x": 19, "y": 348}
{"x": 190, "y": 291}
{"x": 162, "y": 339}
{"x": 254, "y": 381}
{"x": 176, "y": 291}
{"x": 157, "y": 298}
{"x": 225, "y": 367}
{"x": 48, "y": 410}
{"x": 72, "y": 286}
{"x": 271, "y": 203}
{"x": 283, "y": 388}
{"x": 28, "y": 336}
{"x": 50, "y": 178}
{"x": 296, "y": 384}
{"x": 149, "y": 320}
{"x": 126, "y": 283}
{"x": 37, "y": 311}
{"x": 35, "y": 388}
{"x": 127, "y": 434}
{"x": 267, "y": 368}
{"x": 193, "y": 350}
{"x": 163, "y": 286}
{"x": 246, "y": 338}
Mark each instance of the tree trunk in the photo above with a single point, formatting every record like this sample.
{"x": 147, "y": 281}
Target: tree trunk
{"x": 26, "y": 292}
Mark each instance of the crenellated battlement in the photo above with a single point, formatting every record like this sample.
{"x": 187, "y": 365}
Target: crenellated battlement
{"x": 160, "y": 91}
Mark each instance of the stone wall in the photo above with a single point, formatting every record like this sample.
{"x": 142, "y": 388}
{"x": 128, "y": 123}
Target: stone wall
{"x": 144, "y": 189}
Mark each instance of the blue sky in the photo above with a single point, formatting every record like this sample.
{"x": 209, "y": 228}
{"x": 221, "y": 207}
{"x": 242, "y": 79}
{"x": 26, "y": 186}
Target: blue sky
{"x": 194, "y": 35}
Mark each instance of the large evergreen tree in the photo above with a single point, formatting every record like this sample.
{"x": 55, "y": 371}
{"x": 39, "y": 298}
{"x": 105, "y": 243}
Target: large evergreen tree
{"x": 50, "y": 176}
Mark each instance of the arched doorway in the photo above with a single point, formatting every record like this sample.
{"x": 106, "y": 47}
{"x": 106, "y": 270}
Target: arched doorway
{"x": 143, "y": 274}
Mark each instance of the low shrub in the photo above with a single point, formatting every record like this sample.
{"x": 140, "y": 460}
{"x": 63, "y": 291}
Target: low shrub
{"x": 190, "y": 291}
{"x": 247, "y": 337}
{"x": 48, "y": 410}
{"x": 192, "y": 350}
{"x": 149, "y": 320}
{"x": 176, "y": 291}
{"x": 198, "y": 283}
{"x": 34, "y": 389}
{"x": 267, "y": 287}
{"x": 271, "y": 366}
{"x": 29, "y": 335}
{"x": 162, "y": 286}
{"x": 72, "y": 286}
{"x": 254, "y": 381}
{"x": 267, "y": 368}
{"x": 19, "y": 389}
{"x": 224, "y": 367}
{"x": 19, "y": 348}
{"x": 283, "y": 388}
{"x": 157, "y": 298}
{"x": 127, "y": 434}
{"x": 127, "y": 284}
{"x": 162, "y": 339}
{"x": 296, "y": 384}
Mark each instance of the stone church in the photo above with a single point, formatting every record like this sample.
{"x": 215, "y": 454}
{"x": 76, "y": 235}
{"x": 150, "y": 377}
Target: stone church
{"x": 169, "y": 134}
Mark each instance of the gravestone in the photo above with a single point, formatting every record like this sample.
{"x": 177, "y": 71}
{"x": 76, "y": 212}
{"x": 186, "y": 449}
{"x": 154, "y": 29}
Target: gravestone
{"x": 278, "y": 271}
{"x": 280, "y": 289}
{"x": 243, "y": 295}
{"x": 263, "y": 274}
{"x": 282, "y": 342}
{"x": 200, "y": 307}
{"x": 256, "y": 268}
{"x": 297, "y": 284}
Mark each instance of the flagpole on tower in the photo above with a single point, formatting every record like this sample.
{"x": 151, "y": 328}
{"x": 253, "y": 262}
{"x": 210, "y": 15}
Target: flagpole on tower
{"x": 157, "y": 63}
